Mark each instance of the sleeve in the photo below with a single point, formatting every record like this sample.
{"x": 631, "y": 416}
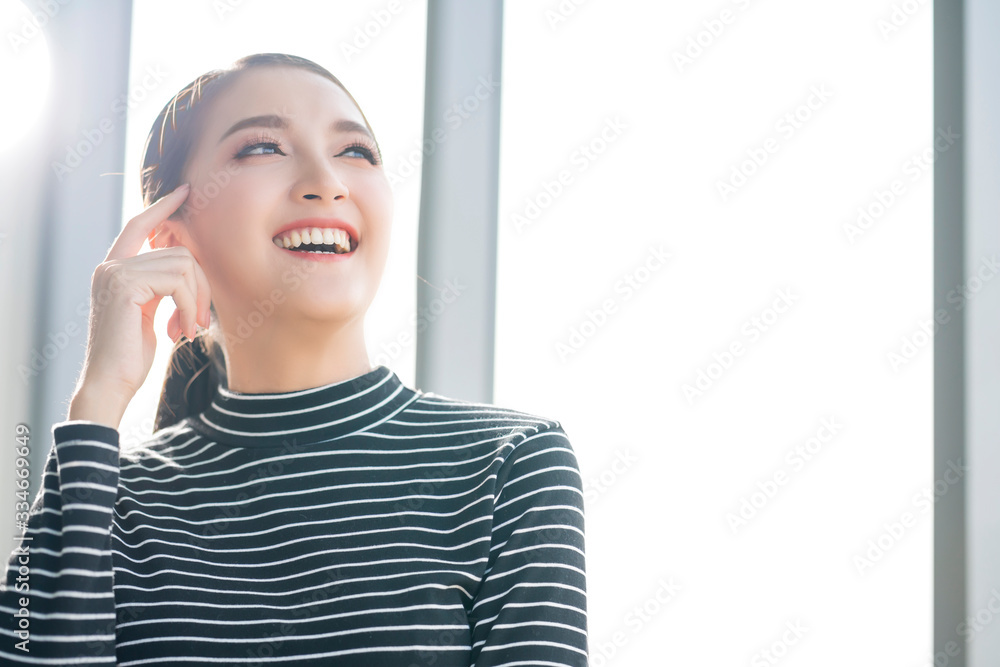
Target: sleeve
{"x": 531, "y": 607}
{"x": 57, "y": 598}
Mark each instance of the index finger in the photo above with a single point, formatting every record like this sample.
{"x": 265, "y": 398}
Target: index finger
{"x": 130, "y": 239}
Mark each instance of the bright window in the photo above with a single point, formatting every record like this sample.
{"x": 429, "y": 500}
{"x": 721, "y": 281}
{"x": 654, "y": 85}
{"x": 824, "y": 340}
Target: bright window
{"x": 715, "y": 270}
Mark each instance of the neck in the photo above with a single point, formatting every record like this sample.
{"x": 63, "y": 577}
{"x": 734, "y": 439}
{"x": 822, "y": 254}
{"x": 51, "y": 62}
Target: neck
{"x": 291, "y": 356}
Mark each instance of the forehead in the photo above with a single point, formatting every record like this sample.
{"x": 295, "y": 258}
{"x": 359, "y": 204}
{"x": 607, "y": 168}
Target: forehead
{"x": 300, "y": 96}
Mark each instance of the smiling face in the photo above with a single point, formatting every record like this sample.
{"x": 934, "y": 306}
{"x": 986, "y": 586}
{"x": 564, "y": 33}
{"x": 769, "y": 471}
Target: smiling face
{"x": 311, "y": 160}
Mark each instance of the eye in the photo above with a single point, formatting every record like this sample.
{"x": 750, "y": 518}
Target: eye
{"x": 252, "y": 144}
{"x": 367, "y": 151}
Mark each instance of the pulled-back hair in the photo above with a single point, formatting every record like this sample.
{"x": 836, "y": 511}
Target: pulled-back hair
{"x": 197, "y": 367}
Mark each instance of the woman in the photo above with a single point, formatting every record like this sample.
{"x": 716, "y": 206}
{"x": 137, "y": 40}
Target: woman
{"x": 296, "y": 505}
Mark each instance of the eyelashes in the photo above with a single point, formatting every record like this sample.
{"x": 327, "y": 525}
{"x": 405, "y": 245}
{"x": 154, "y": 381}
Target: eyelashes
{"x": 256, "y": 142}
{"x": 364, "y": 146}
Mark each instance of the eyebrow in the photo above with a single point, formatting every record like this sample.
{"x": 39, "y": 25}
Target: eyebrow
{"x": 278, "y": 122}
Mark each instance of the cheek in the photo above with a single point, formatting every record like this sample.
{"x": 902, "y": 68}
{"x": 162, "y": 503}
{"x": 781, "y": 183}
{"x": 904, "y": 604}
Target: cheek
{"x": 379, "y": 215}
{"x": 224, "y": 207}
{"x": 381, "y": 203}
{"x": 219, "y": 189}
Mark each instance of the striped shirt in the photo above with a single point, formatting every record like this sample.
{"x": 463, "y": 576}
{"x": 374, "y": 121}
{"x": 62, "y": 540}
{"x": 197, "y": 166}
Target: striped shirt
{"x": 357, "y": 523}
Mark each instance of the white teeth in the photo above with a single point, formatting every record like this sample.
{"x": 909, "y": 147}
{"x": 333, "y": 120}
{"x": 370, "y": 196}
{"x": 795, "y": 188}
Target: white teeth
{"x": 315, "y": 236}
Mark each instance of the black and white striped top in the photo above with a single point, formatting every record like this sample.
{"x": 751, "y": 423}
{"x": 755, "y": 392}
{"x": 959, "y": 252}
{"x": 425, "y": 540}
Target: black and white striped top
{"x": 358, "y": 523}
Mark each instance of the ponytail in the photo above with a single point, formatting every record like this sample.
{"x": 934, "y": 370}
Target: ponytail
{"x": 194, "y": 373}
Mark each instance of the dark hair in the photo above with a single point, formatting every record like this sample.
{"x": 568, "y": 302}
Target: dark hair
{"x": 197, "y": 367}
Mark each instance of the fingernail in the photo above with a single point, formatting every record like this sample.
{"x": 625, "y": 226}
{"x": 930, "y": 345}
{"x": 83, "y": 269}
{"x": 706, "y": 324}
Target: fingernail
{"x": 182, "y": 188}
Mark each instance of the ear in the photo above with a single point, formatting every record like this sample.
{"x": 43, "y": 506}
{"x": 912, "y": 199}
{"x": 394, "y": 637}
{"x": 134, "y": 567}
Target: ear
{"x": 164, "y": 235}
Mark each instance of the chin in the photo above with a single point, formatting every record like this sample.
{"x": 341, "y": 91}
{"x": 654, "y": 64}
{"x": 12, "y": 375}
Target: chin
{"x": 330, "y": 307}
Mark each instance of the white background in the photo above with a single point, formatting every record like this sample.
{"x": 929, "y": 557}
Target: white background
{"x": 663, "y": 516}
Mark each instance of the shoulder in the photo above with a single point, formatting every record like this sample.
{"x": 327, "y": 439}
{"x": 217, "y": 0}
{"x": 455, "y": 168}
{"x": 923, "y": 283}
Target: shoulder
{"x": 433, "y": 408}
{"x": 517, "y": 433}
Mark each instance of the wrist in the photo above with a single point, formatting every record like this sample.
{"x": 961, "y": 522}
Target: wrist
{"x": 94, "y": 404}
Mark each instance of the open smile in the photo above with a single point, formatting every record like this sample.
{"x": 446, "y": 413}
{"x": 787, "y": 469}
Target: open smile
{"x": 318, "y": 238}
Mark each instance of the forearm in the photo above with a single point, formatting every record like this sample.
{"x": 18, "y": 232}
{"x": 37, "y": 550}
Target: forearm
{"x": 58, "y": 601}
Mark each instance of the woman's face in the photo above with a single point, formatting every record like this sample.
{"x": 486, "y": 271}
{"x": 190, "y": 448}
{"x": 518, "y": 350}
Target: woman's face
{"x": 249, "y": 183}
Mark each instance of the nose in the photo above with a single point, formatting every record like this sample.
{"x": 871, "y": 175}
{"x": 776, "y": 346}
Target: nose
{"x": 318, "y": 178}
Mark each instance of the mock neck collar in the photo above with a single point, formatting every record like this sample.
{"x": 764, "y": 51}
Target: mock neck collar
{"x": 307, "y": 417}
